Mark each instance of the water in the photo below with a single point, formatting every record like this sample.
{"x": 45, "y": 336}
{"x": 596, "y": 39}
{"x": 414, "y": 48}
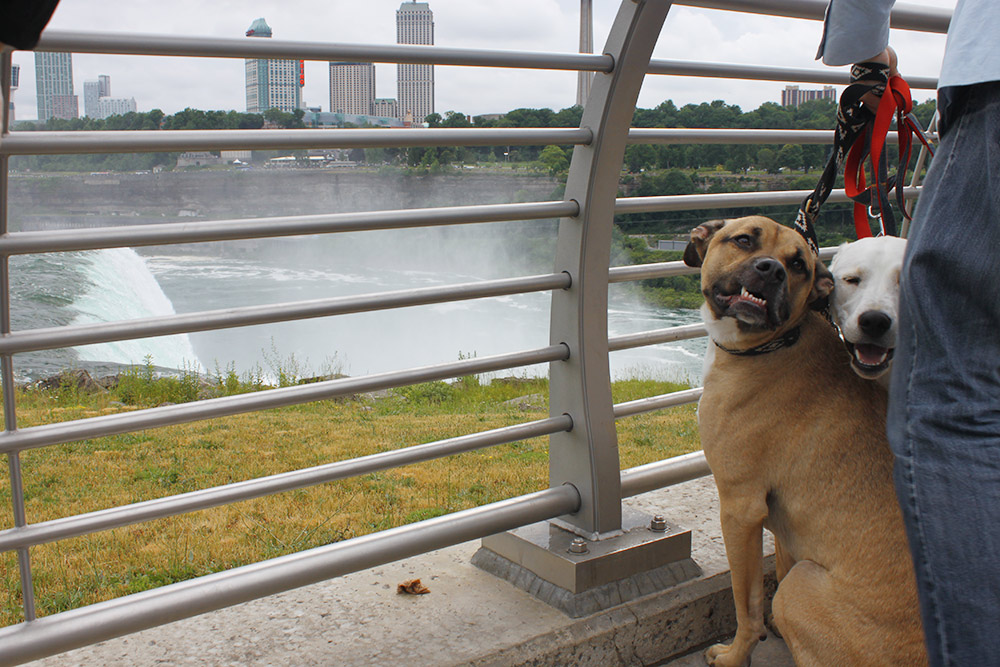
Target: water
{"x": 86, "y": 287}
{"x": 120, "y": 284}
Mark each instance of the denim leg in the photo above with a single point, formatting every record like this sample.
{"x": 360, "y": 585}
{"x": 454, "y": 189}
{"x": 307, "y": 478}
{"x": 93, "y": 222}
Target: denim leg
{"x": 944, "y": 409}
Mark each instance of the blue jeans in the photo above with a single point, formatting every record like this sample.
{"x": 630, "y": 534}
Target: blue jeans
{"x": 944, "y": 407}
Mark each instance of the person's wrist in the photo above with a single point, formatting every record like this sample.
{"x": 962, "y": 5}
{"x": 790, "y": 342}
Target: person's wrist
{"x": 887, "y": 58}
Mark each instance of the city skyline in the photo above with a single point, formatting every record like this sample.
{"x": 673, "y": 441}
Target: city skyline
{"x": 172, "y": 84}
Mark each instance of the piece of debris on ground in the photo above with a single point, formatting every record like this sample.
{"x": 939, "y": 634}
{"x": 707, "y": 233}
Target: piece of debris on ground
{"x": 412, "y": 587}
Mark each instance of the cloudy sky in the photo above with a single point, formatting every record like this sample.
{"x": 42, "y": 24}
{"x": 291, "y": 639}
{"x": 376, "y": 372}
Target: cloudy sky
{"x": 171, "y": 84}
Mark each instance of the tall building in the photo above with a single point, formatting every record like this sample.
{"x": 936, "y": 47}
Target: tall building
{"x": 94, "y": 91}
{"x": 15, "y": 74}
{"x": 54, "y": 85}
{"x": 415, "y": 83}
{"x": 791, "y": 96}
{"x": 98, "y": 103}
{"x": 272, "y": 84}
{"x": 115, "y": 106}
{"x": 352, "y": 88}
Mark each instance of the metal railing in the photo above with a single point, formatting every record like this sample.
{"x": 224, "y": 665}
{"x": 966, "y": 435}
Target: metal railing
{"x": 585, "y": 490}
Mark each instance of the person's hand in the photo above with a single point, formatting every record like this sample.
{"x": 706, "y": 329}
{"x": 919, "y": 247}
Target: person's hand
{"x": 887, "y": 57}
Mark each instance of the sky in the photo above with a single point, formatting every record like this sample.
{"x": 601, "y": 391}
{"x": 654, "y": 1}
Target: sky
{"x": 172, "y": 84}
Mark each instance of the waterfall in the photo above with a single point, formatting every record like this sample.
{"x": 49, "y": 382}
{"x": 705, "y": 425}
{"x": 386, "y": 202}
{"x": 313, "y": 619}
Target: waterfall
{"x": 119, "y": 286}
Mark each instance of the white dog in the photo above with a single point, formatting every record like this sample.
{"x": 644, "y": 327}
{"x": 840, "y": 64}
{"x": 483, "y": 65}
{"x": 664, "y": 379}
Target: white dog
{"x": 866, "y": 301}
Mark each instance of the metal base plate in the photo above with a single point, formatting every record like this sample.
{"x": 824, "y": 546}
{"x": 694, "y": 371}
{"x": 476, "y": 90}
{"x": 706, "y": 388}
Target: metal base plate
{"x": 639, "y": 561}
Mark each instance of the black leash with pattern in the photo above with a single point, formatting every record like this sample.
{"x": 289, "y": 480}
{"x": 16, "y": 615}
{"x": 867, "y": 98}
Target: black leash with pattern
{"x": 861, "y": 134}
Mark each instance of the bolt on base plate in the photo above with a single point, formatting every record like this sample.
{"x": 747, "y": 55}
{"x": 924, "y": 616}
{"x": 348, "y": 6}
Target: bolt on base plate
{"x": 581, "y": 576}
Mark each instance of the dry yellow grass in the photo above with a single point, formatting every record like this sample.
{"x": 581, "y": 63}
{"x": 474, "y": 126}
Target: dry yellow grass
{"x": 74, "y": 478}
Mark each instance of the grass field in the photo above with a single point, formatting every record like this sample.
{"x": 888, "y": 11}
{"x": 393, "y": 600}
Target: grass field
{"x": 85, "y": 476}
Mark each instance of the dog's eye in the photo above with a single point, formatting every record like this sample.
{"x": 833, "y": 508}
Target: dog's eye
{"x": 797, "y": 265}
{"x": 743, "y": 241}
{"x": 852, "y": 280}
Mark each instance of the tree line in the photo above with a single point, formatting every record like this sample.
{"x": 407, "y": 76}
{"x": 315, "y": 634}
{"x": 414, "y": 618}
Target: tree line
{"x": 188, "y": 119}
{"x": 639, "y": 158}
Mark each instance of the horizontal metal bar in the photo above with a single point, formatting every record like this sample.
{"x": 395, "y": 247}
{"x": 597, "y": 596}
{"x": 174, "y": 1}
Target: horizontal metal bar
{"x": 656, "y": 337}
{"x": 210, "y": 320}
{"x": 116, "y": 517}
{"x": 223, "y": 47}
{"x": 625, "y": 205}
{"x": 652, "y": 403}
{"x": 134, "y": 236}
{"x": 105, "y": 620}
{"x": 125, "y": 515}
{"x": 622, "y": 274}
{"x": 167, "y": 141}
{"x": 660, "y": 474}
{"x": 904, "y": 16}
{"x": 829, "y": 76}
{"x": 96, "y": 427}
{"x": 674, "y": 136}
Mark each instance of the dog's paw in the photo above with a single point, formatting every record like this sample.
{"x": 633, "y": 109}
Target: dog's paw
{"x": 723, "y": 655}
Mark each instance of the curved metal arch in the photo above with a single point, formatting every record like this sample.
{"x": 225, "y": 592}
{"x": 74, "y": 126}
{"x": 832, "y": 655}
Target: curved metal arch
{"x": 587, "y": 456}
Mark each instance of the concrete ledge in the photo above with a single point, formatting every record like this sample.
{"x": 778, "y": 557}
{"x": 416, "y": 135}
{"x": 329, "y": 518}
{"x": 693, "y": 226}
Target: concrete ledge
{"x": 646, "y": 632}
{"x": 470, "y": 617}
{"x": 577, "y": 605}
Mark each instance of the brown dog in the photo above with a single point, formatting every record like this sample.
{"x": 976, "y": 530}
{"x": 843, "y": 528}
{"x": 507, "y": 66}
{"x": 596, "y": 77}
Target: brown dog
{"x": 797, "y": 444}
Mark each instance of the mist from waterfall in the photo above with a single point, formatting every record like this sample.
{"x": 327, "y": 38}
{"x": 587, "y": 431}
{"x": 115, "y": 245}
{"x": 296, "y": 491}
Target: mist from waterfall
{"x": 120, "y": 284}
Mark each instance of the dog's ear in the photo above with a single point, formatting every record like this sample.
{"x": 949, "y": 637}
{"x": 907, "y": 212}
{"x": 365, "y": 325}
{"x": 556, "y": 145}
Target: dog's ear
{"x": 694, "y": 253}
{"x": 819, "y": 297}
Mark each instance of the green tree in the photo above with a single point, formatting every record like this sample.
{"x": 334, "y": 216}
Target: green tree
{"x": 639, "y": 157}
{"x": 285, "y": 119}
{"x": 454, "y": 119}
{"x": 767, "y": 159}
{"x": 554, "y": 159}
{"x": 790, "y": 156}
{"x": 925, "y": 111}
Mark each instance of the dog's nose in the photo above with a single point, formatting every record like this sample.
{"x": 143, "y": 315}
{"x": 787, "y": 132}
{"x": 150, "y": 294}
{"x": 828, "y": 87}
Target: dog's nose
{"x": 770, "y": 269}
{"x": 874, "y": 322}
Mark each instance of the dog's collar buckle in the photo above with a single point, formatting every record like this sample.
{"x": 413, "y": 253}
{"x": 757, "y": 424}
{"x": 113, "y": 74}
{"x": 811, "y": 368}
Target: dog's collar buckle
{"x": 787, "y": 339}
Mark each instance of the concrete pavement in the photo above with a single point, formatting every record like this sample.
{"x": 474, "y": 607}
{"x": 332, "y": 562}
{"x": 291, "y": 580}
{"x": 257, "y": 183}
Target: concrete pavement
{"x": 469, "y": 617}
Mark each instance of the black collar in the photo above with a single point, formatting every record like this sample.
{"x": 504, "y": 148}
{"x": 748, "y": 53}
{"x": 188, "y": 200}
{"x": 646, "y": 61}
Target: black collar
{"x": 787, "y": 339}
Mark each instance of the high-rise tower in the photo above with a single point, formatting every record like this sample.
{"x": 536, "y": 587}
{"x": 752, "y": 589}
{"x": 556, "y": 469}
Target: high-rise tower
{"x": 94, "y": 91}
{"x": 272, "y": 84}
{"x": 15, "y": 74}
{"x": 54, "y": 85}
{"x": 352, "y": 88}
{"x": 415, "y": 83}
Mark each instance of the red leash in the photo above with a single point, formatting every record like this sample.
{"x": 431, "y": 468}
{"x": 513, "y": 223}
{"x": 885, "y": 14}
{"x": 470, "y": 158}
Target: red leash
{"x": 860, "y": 134}
{"x": 895, "y": 101}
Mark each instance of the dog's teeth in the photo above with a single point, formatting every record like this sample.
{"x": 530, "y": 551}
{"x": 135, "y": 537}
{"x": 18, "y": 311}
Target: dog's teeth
{"x": 869, "y": 360}
{"x": 750, "y": 297}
